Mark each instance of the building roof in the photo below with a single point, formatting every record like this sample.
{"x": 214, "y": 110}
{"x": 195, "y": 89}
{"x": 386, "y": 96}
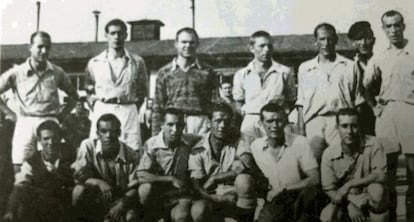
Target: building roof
{"x": 286, "y": 44}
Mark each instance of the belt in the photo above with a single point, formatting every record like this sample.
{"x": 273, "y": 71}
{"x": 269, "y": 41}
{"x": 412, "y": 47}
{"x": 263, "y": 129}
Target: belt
{"x": 116, "y": 100}
{"x": 38, "y": 115}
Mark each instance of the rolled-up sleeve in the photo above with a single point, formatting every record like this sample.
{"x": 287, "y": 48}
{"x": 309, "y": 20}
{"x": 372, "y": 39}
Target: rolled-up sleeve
{"x": 195, "y": 165}
{"x": 238, "y": 88}
{"x": 146, "y": 163}
{"x": 142, "y": 89}
{"x": 328, "y": 178}
{"x": 378, "y": 159}
{"x": 7, "y": 80}
{"x": 301, "y": 95}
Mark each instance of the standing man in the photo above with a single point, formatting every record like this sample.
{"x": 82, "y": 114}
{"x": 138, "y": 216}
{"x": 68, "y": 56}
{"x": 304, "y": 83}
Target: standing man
{"x": 103, "y": 169}
{"x": 325, "y": 84}
{"x": 353, "y": 174}
{"x": 119, "y": 79}
{"x": 35, "y": 84}
{"x": 226, "y": 95}
{"x": 163, "y": 171}
{"x": 218, "y": 168}
{"x": 185, "y": 84}
{"x": 393, "y": 69}
{"x": 287, "y": 162}
{"x": 363, "y": 40}
{"x": 261, "y": 81}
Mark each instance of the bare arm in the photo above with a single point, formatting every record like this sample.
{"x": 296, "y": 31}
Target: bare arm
{"x": 312, "y": 179}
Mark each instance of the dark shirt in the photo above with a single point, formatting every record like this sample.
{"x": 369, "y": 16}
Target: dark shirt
{"x": 192, "y": 91}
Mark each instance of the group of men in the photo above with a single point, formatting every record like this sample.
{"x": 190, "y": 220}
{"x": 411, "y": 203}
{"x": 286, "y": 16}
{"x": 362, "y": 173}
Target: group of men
{"x": 210, "y": 158}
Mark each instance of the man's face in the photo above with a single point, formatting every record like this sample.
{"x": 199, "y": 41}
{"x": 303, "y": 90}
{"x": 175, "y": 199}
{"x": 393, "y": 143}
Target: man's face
{"x": 348, "y": 128}
{"x": 108, "y": 134}
{"x": 173, "y": 128}
{"x": 186, "y": 45}
{"x": 116, "y": 37}
{"x": 49, "y": 141}
{"x": 262, "y": 49}
{"x": 79, "y": 107}
{"x": 326, "y": 42}
{"x": 364, "y": 44}
{"x": 220, "y": 124}
{"x": 40, "y": 48}
{"x": 274, "y": 124}
{"x": 393, "y": 27}
{"x": 226, "y": 89}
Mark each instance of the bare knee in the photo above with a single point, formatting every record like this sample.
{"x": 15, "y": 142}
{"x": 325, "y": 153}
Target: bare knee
{"x": 131, "y": 216}
{"x": 244, "y": 184}
{"x": 181, "y": 213}
{"x": 77, "y": 193}
{"x": 144, "y": 192}
{"x": 199, "y": 211}
{"x": 377, "y": 194}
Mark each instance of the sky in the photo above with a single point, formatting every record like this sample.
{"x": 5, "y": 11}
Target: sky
{"x": 73, "y": 21}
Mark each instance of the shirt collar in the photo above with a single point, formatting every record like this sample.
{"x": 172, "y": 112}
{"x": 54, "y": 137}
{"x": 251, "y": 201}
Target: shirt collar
{"x": 49, "y": 165}
{"x": 314, "y": 63}
{"x": 289, "y": 138}
{"x": 121, "y": 156}
{"x": 103, "y": 56}
{"x": 29, "y": 70}
{"x": 338, "y": 153}
{"x": 273, "y": 68}
{"x": 205, "y": 143}
{"x": 196, "y": 63}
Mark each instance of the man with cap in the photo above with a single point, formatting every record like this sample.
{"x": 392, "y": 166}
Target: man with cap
{"x": 363, "y": 40}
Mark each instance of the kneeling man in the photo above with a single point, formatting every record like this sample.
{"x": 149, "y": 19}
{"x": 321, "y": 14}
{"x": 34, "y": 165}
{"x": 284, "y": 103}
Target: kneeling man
{"x": 217, "y": 167}
{"x": 103, "y": 169}
{"x": 163, "y": 171}
{"x": 353, "y": 174}
{"x": 287, "y": 161}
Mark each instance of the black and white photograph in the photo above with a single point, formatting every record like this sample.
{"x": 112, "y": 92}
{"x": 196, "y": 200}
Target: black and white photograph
{"x": 206, "y": 111}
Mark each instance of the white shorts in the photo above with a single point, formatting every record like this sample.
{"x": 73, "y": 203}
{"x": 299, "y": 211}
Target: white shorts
{"x": 394, "y": 128}
{"x": 127, "y": 115}
{"x": 197, "y": 124}
{"x": 321, "y": 129}
{"x": 25, "y": 138}
{"x": 251, "y": 127}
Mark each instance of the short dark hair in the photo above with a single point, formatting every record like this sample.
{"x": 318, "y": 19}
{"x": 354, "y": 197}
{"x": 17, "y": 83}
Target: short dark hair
{"x": 109, "y": 117}
{"x": 273, "y": 108}
{"x": 48, "y": 125}
{"x": 42, "y": 34}
{"x": 116, "y": 22}
{"x": 173, "y": 111}
{"x": 391, "y": 13}
{"x": 346, "y": 112}
{"x": 220, "y": 107}
{"x": 257, "y": 34}
{"x": 226, "y": 82}
{"x": 359, "y": 30}
{"x": 326, "y": 26}
{"x": 188, "y": 30}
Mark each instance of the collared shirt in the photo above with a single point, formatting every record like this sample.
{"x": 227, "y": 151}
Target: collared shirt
{"x": 191, "y": 91}
{"x": 129, "y": 87}
{"x": 394, "y": 68}
{"x": 294, "y": 158}
{"x": 322, "y": 93}
{"x": 160, "y": 159}
{"x": 118, "y": 173}
{"x": 37, "y": 93}
{"x": 337, "y": 167}
{"x": 203, "y": 165}
{"x": 277, "y": 84}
